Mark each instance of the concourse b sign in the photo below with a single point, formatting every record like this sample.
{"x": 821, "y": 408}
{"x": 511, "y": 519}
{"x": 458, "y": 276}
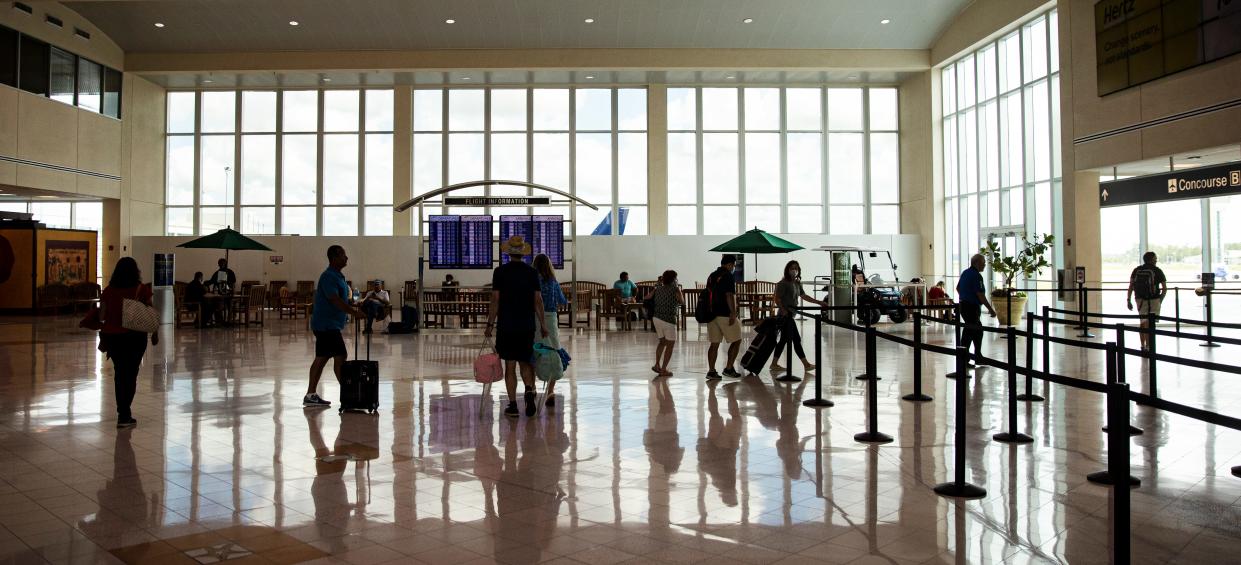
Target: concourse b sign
{"x": 1186, "y": 184}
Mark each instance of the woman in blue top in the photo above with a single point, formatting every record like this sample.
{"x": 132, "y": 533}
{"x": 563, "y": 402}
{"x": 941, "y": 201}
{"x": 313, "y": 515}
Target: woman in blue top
{"x": 553, "y": 297}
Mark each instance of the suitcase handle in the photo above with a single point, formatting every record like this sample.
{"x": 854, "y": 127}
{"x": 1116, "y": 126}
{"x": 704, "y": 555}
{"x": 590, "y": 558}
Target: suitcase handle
{"x": 357, "y": 331}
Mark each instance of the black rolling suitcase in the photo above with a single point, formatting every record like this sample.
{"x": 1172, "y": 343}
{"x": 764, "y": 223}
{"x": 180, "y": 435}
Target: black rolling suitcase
{"x": 766, "y": 336}
{"x": 359, "y": 380}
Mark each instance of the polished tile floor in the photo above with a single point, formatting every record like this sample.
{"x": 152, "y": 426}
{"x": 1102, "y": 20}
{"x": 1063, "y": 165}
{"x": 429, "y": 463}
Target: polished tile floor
{"x": 226, "y": 465}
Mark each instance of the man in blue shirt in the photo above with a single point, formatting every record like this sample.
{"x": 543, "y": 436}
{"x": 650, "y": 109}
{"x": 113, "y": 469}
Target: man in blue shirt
{"x": 972, "y": 295}
{"x": 626, "y": 287}
{"x": 331, "y": 313}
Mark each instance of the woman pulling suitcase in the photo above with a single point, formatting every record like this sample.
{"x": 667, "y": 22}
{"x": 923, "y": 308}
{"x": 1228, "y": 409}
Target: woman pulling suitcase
{"x": 788, "y": 291}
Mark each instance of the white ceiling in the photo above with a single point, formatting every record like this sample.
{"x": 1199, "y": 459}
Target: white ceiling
{"x": 262, "y": 25}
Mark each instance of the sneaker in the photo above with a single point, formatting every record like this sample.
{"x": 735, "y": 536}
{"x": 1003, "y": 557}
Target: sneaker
{"x": 809, "y": 366}
{"x": 732, "y": 373}
{"x": 126, "y": 423}
{"x": 511, "y": 411}
{"x": 531, "y": 407}
{"x": 712, "y": 375}
{"x": 314, "y": 400}
{"x": 550, "y": 402}
{"x": 776, "y": 368}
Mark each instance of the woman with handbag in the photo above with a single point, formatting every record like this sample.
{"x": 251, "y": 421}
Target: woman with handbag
{"x": 553, "y": 298}
{"x": 127, "y": 317}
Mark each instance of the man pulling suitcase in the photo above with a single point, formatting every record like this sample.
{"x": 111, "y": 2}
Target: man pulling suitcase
{"x": 331, "y": 313}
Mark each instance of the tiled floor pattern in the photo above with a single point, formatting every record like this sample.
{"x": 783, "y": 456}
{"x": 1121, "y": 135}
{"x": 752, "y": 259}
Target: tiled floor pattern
{"x": 624, "y": 469}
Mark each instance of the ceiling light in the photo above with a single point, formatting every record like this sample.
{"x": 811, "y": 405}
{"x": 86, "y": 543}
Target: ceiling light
{"x": 159, "y": 24}
{"x": 207, "y": 81}
{"x": 748, "y": 21}
{"x": 590, "y": 77}
{"x": 325, "y": 79}
{"x": 465, "y": 78}
{"x": 885, "y": 21}
{"x": 293, "y": 22}
{"x": 730, "y": 77}
{"x": 589, "y": 20}
{"x": 450, "y": 21}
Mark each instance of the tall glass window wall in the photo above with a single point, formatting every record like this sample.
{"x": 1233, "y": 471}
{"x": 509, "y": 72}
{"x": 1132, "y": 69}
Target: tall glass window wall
{"x": 1001, "y": 143}
{"x": 589, "y": 142}
{"x": 305, "y": 162}
{"x": 1200, "y": 239}
{"x": 790, "y": 160}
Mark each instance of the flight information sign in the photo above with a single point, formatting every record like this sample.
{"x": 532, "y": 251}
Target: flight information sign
{"x": 476, "y": 244}
{"x": 445, "y": 241}
{"x": 460, "y": 242}
{"x": 544, "y": 233}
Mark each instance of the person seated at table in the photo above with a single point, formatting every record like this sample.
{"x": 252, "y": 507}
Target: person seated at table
{"x": 195, "y": 296}
{"x": 223, "y": 281}
{"x": 375, "y": 303}
{"x": 859, "y": 277}
{"x": 628, "y": 290}
{"x": 909, "y": 294}
{"x": 938, "y": 296}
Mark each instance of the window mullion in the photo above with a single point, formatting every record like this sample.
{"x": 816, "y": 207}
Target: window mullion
{"x": 612, "y": 120}
{"x": 279, "y": 181}
{"x": 698, "y": 141}
{"x": 237, "y": 161}
{"x": 320, "y": 212}
{"x": 741, "y": 169}
{"x": 867, "y": 226}
{"x": 198, "y": 103}
{"x": 824, "y": 152}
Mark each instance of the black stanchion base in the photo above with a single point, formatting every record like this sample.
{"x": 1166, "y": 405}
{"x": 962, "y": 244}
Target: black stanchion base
{"x": 818, "y": 403}
{"x": 1133, "y": 430}
{"x": 1236, "y": 471}
{"x": 1208, "y": 344}
{"x": 963, "y": 490}
{"x": 919, "y": 397}
{"x": 1005, "y": 437}
{"x": 1085, "y": 334}
{"x": 953, "y": 375}
{"x": 1030, "y": 398}
{"x": 1105, "y": 478}
{"x": 877, "y": 437}
{"x": 788, "y": 378}
{"x": 864, "y": 377}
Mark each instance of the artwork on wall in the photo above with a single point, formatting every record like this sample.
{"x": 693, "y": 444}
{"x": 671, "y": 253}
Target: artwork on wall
{"x": 68, "y": 262}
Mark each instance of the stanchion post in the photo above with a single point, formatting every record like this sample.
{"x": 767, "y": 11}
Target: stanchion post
{"x": 818, "y": 401}
{"x": 872, "y": 434}
{"x": 1120, "y": 373}
{"x": 1117, "y": 429}
{"x": 956, "y": 320}
{"x": 1210, "y": 333}
{"x": 1118, "y": 467}
{"x": 917, "y": 395}
{"x": 958, "y": 488}
{"x": 788, "y": 376}
{"x": 1012, "y": 435}
{"x": 1028, "y": 395}
{"x": 1152, "y": 381}
{"x": 1081, "y": 310}
{"x": 1176, "y": 294}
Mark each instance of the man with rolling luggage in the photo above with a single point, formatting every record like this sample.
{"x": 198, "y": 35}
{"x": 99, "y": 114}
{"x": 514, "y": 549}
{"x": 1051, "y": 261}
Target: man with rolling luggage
{"x": 331, "y": 313}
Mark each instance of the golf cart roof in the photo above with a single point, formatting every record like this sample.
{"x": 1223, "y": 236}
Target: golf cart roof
{"x": 850, "y": 249}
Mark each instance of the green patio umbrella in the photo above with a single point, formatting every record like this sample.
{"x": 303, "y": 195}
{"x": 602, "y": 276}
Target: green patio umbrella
{"x": 227, "y": 239}
{"x": 757, "y": 241}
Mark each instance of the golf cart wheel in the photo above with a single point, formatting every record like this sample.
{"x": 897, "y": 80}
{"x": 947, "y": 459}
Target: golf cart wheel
{"x": 898, "y": 316}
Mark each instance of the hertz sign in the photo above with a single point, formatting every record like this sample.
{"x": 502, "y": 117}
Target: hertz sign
{"x": 1137, "y": 41}
{"x": 1202, "y": 182}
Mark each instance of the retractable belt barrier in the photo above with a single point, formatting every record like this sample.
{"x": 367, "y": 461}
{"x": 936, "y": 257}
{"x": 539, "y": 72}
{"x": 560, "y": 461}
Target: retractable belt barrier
{"x": 1117, "y": 392}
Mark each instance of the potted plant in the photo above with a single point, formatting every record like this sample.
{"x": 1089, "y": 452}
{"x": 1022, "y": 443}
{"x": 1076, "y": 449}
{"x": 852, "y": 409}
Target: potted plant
{"x": 1010, "y": 303}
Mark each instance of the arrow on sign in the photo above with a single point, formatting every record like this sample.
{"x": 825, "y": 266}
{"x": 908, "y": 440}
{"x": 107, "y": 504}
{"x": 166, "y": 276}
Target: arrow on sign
{"x": 1104, "y": 195}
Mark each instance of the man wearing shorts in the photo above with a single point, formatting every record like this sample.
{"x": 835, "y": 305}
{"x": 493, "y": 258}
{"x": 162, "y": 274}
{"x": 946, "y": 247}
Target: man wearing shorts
{"x": 1150, "y": 285}
{"x": 331, "y": 313}
{"x": 725, "y": 326}
{"x": 516, "y": 309}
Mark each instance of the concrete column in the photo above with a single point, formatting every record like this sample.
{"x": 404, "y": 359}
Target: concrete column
{"x": 402, "y": 155}
{"x": 1083, "y": 243}
{"x": 921, "y": 204}
{"x": 657, "y": 158}
{"x": 111, "y": 235}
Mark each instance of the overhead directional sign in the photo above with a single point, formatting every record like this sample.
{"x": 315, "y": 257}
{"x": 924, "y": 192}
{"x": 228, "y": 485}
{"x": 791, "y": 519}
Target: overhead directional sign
{"x": 1186, "y": 184}
{"x": 496, "y": 201}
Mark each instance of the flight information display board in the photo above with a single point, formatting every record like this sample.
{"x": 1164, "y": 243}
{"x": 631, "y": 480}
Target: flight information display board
{"x": 460, "y": 242}
{"x": 544, "y": 233}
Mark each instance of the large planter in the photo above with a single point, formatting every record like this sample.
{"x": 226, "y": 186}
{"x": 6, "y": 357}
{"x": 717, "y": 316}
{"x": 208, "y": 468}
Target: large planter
{"x": 1004, "y": 305}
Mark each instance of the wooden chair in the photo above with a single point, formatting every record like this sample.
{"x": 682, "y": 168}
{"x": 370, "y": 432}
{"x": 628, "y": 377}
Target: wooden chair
{"x": 53, "y": 297}
{"x": 245, "y": 284}
{"x": 304, "y": 299}
{"x": 186, "y": 313}
{"x": 585, "y": 294}
{"x": 273, "y": 293}
{"x": 610, "y": 307}
{"x": 250, "y": 310}
{"x": 759, "y": 300}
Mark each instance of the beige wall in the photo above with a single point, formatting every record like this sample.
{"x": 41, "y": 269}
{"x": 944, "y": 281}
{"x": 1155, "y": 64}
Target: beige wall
{"x": 99, "y": 48}
{"x": 918, "y": 197}
{"x": 141, "y": 207}
{"x": 1190, "y": 90}
{"x": 46, "y": 132}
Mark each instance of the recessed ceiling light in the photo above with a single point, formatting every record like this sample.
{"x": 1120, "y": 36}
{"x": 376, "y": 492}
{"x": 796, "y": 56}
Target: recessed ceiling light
{"x": 851, "y": 77}
{"x": 466, "y": 78}
{"x": 450, "y": 21}
{"x": 748, "y": 21}
{"x": 590, "y": 77}
{"x": 730, "y": 77}
{"x": 293, "y": 22}
{"x": 885, "y": 21}
{"x": 326, "y": 79}
{"x": 159, "y": 24}
{"x": 207, "y": 81}
{"x": 589, "y": 20}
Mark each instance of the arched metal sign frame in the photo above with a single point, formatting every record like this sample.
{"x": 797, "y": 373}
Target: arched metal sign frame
{"x": 427, "y": 197}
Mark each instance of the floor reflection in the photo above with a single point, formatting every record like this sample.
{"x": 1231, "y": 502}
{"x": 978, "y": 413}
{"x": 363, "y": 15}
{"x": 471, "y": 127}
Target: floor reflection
{"x": 227, "y": 460}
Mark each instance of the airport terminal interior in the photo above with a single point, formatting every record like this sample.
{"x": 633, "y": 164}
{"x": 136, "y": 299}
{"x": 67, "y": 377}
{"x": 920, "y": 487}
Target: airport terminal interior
{"x": 830, "y": 281}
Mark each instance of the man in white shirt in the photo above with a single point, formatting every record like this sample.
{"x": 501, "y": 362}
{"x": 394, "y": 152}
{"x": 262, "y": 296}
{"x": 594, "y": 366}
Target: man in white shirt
{"x": 375, "y": 303}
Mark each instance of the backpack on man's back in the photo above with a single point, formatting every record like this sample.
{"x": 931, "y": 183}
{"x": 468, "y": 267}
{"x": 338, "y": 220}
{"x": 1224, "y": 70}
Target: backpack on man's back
{"x": 1145, "y": 285}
